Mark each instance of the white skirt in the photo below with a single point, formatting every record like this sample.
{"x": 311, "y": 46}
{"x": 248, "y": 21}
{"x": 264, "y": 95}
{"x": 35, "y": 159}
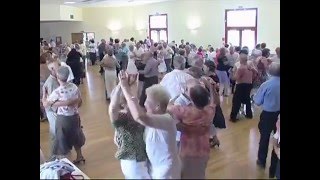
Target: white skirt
{"x": 132, "y": 169}
{"x": 162, "y": 68}
{"x": 132, "y": 68}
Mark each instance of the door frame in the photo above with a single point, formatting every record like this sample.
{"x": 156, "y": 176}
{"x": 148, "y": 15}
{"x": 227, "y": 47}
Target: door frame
{"x": 254, "y": 28}
{"x": 159, "y": 29}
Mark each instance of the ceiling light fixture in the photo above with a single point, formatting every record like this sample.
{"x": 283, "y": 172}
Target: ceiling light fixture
{"x": 69, "y": 2}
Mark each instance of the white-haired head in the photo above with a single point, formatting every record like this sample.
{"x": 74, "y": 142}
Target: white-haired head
{"x": 157, "y": 99}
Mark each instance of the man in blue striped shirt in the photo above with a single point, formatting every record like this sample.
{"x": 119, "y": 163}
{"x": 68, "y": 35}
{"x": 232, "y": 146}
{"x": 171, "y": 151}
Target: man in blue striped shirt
{"x": 268, "y": 96}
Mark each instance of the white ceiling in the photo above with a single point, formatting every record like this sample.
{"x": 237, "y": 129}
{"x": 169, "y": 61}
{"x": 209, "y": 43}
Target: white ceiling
{"x": 101, "y": 3}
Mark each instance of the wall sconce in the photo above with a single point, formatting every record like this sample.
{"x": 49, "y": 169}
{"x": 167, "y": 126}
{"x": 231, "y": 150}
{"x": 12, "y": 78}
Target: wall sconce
{"x": 193, "y": 23}
{"x": 114, "y": 26}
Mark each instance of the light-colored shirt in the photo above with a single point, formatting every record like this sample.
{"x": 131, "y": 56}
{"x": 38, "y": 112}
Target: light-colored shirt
{"x": 71, "y": 76}
{"x": 175, "y": 82}
{"x": 268, "y": 95}
{"x": 182, "y": 100}
{"x": 50, "y": 85}
{"x": 92, "y": 48}
{"x": 168, "y": 52}
{"x": 83, "y": 49}
{"x": 232, "y": 58}
{"x": 191, "y": 60}
{"x": 161, "y": 148}
{"x": 63, "y": 93}
{"x": 212, "y": 55}
{"x": 139, "y": 52}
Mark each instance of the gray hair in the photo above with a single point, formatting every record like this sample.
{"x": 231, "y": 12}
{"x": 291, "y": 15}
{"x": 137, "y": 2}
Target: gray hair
{"x": 159, "y": 94}
{"x": 179, "y": 62}
{"x": 274, "y": 69}
{"x": 63, "y": 73}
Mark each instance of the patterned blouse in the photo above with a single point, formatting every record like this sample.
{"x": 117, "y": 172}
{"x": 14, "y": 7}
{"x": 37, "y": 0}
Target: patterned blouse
{"x": 129, "y": 139}
{"x": 194, "y": 143}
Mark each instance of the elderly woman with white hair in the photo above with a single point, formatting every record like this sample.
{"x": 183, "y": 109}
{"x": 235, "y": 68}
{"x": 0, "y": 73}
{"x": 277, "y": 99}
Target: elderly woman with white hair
{"x": 68, "y": 132}
{"x": 160, "y": 129}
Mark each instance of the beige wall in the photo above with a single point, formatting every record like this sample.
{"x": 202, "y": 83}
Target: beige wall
{"x": 50, "y": 30}
{"x": 124, "y": 21}
{"x": 52, "y": 12}
{"x": 66, "y": 11}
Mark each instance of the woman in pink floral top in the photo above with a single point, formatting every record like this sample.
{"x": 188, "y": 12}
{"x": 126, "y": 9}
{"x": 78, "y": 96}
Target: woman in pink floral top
{"x": 195, "y": 122}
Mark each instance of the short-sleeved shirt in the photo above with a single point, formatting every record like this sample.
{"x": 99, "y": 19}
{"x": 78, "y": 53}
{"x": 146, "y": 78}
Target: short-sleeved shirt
{"x": 194, "y": 144}
{"x": 64, "y": 93}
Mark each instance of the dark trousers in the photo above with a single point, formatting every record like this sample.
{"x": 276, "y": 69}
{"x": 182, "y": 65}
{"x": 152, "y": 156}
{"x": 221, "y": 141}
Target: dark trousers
{"x": 101, "y": 57}
{"x": 278, "y": 170}
{"x": 168, "y": 64}
{"x": 124, "y": 64}
{"x": 93, "y": 58}
{"x": 233, "y": 85}
{"x": 274, "y": 164}
{"x": 148, "y": 82}
{"x": 241, "y": 96}
{"x": 266, "y": 125}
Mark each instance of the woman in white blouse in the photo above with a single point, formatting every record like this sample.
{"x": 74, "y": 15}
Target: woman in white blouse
{"x": 160, "y": 129}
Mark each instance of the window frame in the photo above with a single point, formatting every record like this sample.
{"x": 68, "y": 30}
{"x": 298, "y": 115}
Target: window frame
{"x": 241, "y": 28}
{"x": 159, "y": 29}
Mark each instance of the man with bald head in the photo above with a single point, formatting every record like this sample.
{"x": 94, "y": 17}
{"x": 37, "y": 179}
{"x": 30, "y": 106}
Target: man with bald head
{"x": 268, "y": 96}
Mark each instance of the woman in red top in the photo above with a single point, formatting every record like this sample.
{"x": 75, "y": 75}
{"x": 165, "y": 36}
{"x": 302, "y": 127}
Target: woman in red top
{"x": 195, "y": 122}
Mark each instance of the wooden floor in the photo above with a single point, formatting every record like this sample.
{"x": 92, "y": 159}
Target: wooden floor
{"x": 236, "y": 157}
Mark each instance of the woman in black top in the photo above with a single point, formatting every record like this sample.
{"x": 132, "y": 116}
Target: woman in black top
{"x": 73, "y": 60}
{"x": 218, "y": 120}
{"x": 222, "y": 73}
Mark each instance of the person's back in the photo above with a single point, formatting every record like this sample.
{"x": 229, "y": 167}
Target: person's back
{"x": 270, "y": 100}
{"x": 175, "y": 81}
{"x": 244, "y": 74}
{"x": 165, "y": 159}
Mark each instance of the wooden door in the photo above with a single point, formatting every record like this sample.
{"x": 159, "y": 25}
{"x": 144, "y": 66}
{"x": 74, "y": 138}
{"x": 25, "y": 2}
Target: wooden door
{"x": 76, "y": 37}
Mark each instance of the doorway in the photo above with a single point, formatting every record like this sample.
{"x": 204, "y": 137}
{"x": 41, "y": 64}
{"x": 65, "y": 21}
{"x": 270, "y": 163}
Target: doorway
{"x": 85, "y": 36}
{"x": 158, "y": 27}
{"x": 241, "y": 27}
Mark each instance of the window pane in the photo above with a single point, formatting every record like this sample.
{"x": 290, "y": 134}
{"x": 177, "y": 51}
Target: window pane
{"x": 163, "y": 35}
{"x": 234, "y": 37}
{"x": 158, "y": 21}
{"x": 248, "y": 39}
{"x": 241, "y": 18}
{"x": 154, "y": 36}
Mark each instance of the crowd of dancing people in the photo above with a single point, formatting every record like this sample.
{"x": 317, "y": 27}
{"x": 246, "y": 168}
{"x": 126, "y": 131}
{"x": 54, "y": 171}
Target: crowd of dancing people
{"x": 164, "y": 100}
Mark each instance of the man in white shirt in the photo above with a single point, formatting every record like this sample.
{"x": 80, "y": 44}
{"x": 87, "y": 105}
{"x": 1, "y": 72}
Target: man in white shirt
{"x": 190, "y": 54}
{"x": 232, "y": 56}
{"x": 212, "y": 54}
{"x": 139, "y": 51}
{"x": 175, "y": 81}
{"x": 168, "y": 52}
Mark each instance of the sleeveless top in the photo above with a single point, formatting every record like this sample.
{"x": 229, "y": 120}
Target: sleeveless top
{"x": 129, "y": 139}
